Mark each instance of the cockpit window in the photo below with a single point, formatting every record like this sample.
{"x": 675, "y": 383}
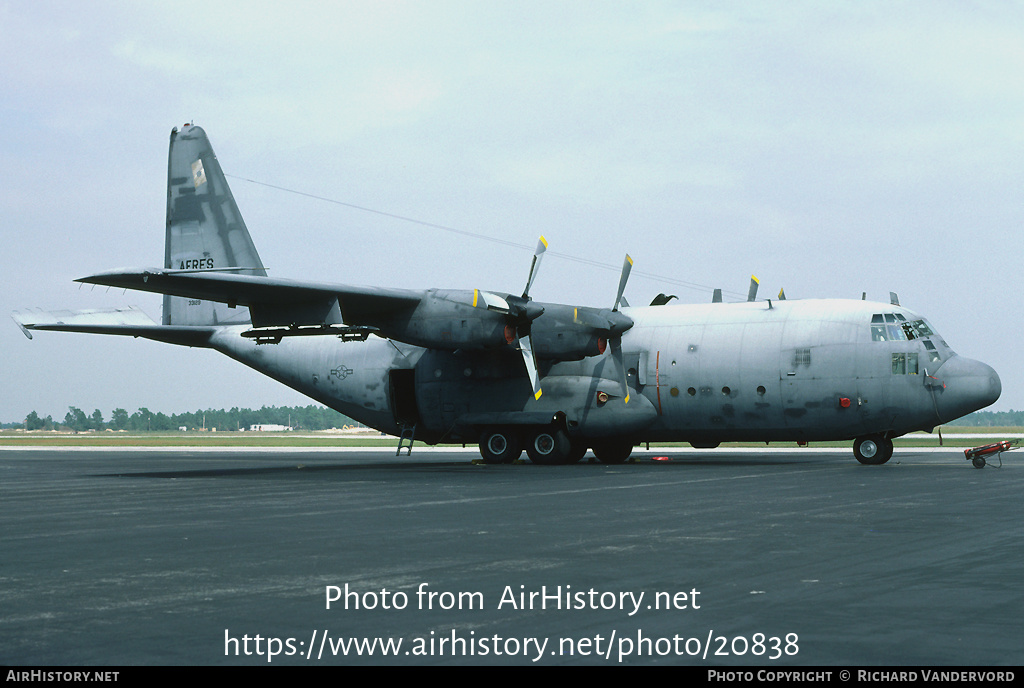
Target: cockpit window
{"x": 894, "y": 327}
{"x": 887, "y": 331}
{"x": 917, "y": 329}
{"x": 891, "y": 327}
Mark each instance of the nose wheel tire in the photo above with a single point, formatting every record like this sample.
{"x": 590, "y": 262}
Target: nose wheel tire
{"x": 873, "y": 450}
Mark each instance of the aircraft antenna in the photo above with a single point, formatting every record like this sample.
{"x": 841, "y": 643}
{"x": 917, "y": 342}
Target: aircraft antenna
{"x": 694, "y": 286}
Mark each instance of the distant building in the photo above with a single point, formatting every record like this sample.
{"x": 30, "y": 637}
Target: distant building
{"x": 269, "y": 427}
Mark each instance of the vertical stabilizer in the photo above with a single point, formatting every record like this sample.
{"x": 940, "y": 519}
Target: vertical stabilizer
{"x": 205, "y": 231}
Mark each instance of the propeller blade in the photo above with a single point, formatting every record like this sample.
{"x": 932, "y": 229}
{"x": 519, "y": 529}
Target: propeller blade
{"x": 717, "y": 296}
{"x": 491, "y": 302}
{"x": 616, "y": 344}
{"x": 782, "y": 294}
{"x": 752, "y": 294}
{"x": 542, "y": 246}
{"x": 531, "y": 364}
{"x": 627, "y": 265}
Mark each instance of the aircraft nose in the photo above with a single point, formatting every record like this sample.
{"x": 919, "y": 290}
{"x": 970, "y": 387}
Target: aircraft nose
{"x": 969, "y": 385}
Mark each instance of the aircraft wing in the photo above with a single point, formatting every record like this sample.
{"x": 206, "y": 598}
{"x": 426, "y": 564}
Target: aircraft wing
{"x": 129, "y": 321}
{"x": 271, "y": 302}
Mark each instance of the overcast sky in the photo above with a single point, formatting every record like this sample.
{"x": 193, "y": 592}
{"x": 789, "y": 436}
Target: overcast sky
{"x": 828, "y": 149}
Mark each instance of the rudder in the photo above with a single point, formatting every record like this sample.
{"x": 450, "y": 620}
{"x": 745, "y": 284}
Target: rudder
{"x": 205, "y": 231}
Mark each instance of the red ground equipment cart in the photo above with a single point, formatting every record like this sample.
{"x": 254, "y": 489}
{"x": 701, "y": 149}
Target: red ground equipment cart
{"x": 980, "y": 455}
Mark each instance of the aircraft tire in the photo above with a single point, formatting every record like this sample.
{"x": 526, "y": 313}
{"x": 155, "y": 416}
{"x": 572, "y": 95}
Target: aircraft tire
{"x": 549, "y": 447}
{"x": 613, "y": 451}
{"x": 872, "y": 450}
{"x": 500, "y": 445}
{"x": 578, "y": 451}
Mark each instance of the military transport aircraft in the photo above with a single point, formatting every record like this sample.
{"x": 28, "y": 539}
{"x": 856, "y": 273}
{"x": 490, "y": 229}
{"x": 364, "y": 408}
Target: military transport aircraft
{"x": 509, "y": 372}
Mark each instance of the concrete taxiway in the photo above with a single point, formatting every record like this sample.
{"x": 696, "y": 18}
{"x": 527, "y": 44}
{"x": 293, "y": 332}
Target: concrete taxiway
{"x": 766, "y": 558}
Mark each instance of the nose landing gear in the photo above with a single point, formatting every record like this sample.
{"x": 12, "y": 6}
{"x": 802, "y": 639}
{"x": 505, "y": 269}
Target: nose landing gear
{"x": 872, "y": 450}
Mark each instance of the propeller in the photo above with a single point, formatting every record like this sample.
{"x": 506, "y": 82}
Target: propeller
{"x": 520, "y": 314}
{"x": 618, "y": 326}
{"x": 752, "y": 294}
{"x": 525, "y": 314}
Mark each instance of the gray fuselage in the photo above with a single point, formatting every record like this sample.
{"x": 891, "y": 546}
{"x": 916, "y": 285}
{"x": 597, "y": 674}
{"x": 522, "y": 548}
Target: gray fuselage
{"x": 795, "y": 370}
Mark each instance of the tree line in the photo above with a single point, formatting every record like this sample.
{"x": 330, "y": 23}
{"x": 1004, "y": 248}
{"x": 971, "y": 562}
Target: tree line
{"x": 1003, "y": 419}
{"x": 312, "y": 417}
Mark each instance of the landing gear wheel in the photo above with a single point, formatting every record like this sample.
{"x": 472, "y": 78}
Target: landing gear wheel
{"x": 500, "y": 446}
{"x": 578, "y": 451}
{"x": 613, "y": 451}
{"x": 549, "y": 447}
{"x": 873, "y": 450}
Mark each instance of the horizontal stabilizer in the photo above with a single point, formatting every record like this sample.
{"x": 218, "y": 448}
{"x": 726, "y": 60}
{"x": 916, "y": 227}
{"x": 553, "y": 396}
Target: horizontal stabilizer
{"x": 131, "y": 322}
{"x": 37, "y": 319}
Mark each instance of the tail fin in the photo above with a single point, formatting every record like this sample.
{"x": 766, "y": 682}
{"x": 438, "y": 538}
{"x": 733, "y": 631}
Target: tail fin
{"x": 205, "y": 231}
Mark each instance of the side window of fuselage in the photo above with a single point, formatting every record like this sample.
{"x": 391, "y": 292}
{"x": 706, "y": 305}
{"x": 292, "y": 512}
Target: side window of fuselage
{"x": 904, "y": 364}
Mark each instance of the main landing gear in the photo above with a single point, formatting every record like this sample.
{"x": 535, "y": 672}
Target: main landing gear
{"x": 546, "y": 446}
{"x": 500, "y": 446}
{"x": 872, "y": 450}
